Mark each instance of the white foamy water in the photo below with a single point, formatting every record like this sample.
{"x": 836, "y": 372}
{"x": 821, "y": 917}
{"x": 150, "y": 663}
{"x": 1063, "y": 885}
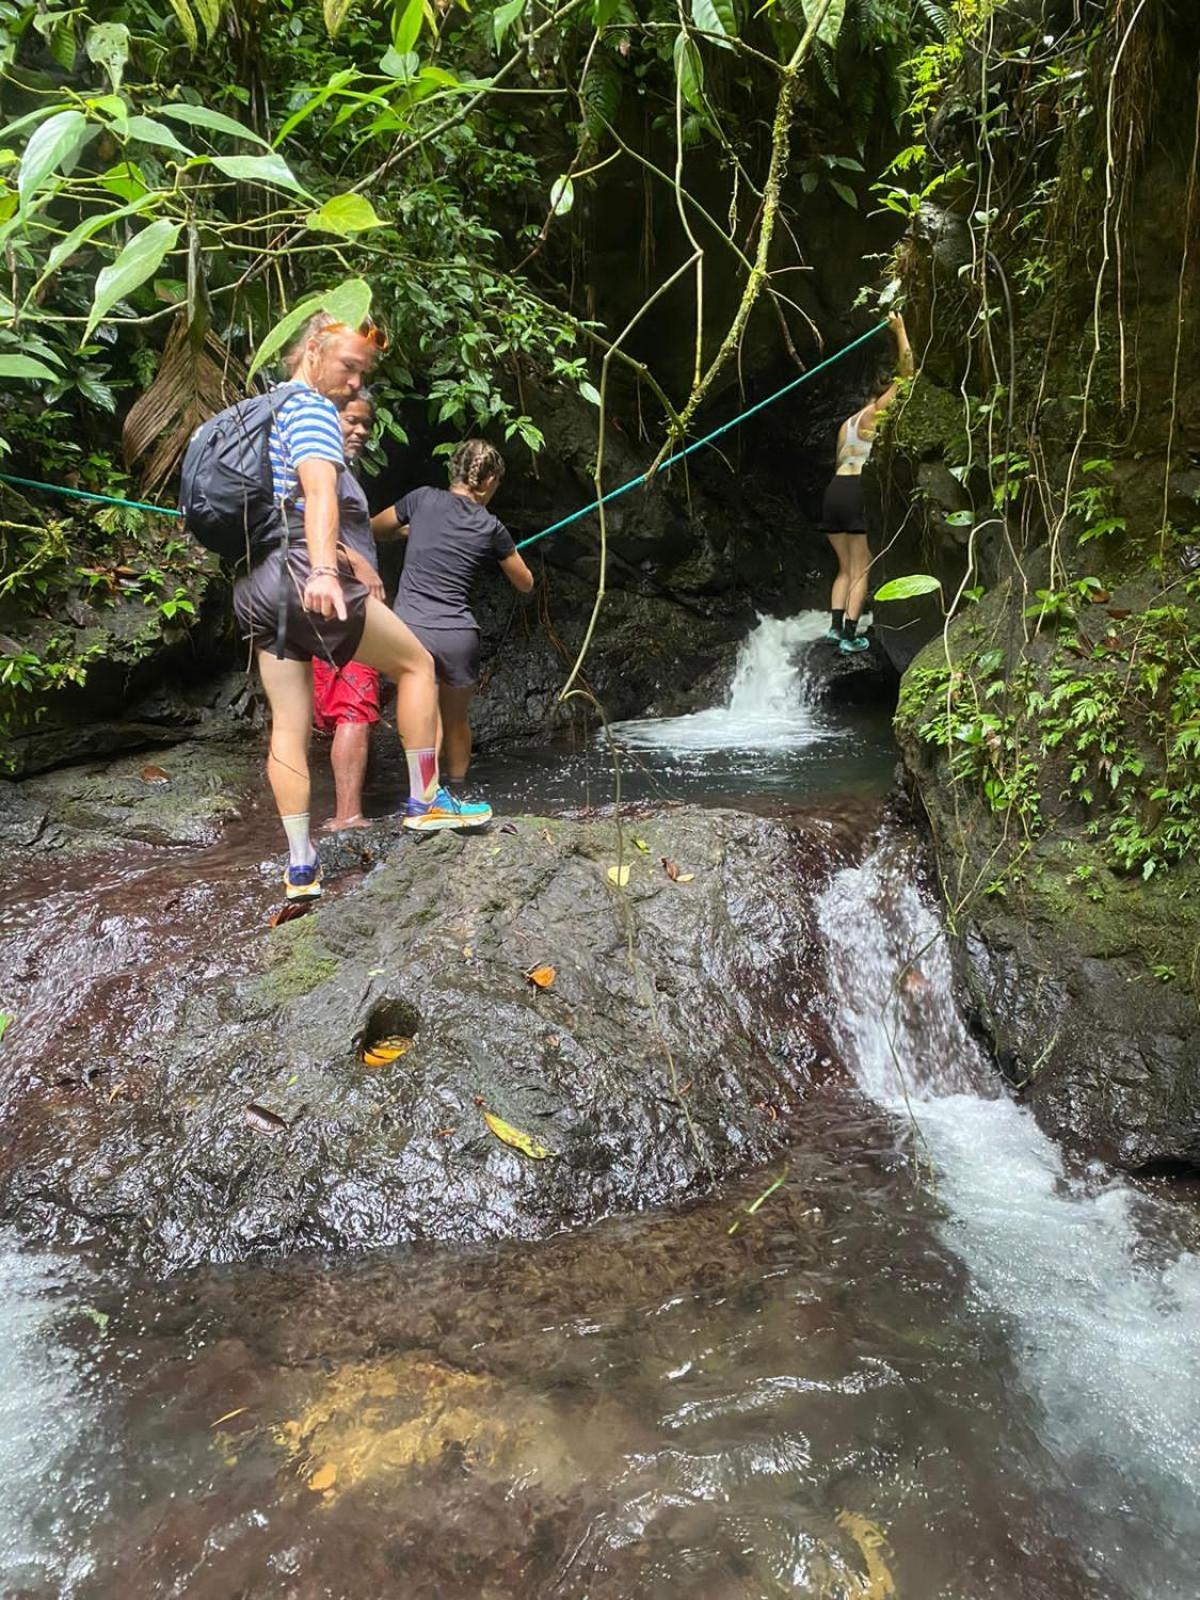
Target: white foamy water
{"x": 1101, "y": 1299}
{"x": 771, "y": 705}
{"x": 44, "y": 1414}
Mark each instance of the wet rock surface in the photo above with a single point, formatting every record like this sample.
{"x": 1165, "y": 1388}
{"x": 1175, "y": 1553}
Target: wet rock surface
{"x": 187, "y": 1084}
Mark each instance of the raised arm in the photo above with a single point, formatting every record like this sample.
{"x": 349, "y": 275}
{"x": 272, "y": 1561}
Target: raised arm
{"x": 904, "y": 362}
{"x": 518, "y": 574}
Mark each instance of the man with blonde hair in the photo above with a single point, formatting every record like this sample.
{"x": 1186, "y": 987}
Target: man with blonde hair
{"x": 302, "y": 600}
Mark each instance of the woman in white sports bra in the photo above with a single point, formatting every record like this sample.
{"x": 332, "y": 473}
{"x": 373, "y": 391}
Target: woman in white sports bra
{"x": 844, "y": 511}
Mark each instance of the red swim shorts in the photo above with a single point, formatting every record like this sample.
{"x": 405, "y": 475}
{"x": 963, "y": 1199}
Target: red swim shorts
{"x": 346, "y": 694}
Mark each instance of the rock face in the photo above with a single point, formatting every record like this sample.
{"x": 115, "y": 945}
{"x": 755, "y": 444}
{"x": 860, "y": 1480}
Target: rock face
{"x": 197, "y": 1091}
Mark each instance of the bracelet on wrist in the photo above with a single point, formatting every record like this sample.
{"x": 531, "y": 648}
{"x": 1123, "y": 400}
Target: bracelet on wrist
{"x": 323, "y": 572}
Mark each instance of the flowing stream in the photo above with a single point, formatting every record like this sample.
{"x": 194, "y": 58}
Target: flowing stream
{"x": 937, "y": 1362}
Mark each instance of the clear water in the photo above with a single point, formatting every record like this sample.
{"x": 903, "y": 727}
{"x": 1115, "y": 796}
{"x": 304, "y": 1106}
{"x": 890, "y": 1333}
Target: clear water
{"x": 936, "y": 1363}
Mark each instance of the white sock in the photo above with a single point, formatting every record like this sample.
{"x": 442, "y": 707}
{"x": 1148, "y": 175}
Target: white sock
{"x": 300, "y": 846}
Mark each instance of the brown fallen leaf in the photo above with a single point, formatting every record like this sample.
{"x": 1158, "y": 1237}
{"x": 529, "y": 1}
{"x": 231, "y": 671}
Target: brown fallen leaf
{"x": 323, "y": 1478}
{"x": 384, "y": 1051}
{"x": 1099, "y": 597}
{"x": 1118, "y": 613}
{"x": 542, "y": 977}
{"x": 553, "y": 1040}
{"x": 524, "y": 1142}
{"x": 672, "y": 870}
{"x": 263, "y": 1121}
{"x": 547, "y": 835}
{"x": 507, "y": 827}
{"x": 152, "y": 774}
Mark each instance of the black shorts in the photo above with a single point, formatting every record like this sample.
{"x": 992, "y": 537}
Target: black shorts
{"x": 845, "y": 508}
{"x": 256, "y": 600}
{"x": 455, "y": 653}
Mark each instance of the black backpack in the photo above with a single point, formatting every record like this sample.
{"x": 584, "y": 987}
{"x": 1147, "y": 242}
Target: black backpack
{"x": 225, "y": 491}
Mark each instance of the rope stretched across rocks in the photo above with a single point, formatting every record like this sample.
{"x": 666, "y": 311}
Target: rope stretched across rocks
{"x": 555, "y": 527}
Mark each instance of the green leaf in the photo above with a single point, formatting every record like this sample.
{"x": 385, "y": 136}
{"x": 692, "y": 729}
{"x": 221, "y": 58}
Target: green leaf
{"x": 24, "y": 367}
{"x": 349, "y": 303}
{"x": 80, "y": 235}
{"x": 5, "y": 1020}
{"x": 603, "y": 11}
{"x": 831, "y": 22}
{"x": 715, "y": 16}
{"x": 62, "y": 43}
{"x": 187, "y": 22}
{"x": 406, "y": 24}
{"x": 338, "y": 81}
{"x": 210, "y": 15}
{"x": 55, "y": 144}
{"x": 272, "y": 169}
{"x": 214, "y": 121}
{"x": 562, "y": 196}
{"x": 403, "y": 67}
{"x": 504, "y": 17}
{"x": 336, "y": 12}
{"x": 344, "y": 214}
{"x": 908, "y": 588}
{"x": 844, "y": 192}
{"x": 590, "y": 393}
{"x": 139, "y": 260}
{"x": 148, "y": 131}
{"x": 689, "y": 71}
{"x": 107, "y": 44}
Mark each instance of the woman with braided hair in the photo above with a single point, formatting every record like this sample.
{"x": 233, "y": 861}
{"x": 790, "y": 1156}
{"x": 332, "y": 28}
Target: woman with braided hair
{"x": 449, "y": 534}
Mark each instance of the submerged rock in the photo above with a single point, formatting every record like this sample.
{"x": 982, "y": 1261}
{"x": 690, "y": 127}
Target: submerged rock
{"x": 220, "y": 1106}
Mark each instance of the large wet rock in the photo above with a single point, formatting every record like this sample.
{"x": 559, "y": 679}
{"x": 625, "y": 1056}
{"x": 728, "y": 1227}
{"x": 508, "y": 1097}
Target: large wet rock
{"x": 197, "y": 1092}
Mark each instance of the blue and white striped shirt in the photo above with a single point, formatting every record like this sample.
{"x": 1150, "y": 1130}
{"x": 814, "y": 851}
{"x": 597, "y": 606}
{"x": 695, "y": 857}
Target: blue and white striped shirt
{"x": 306, "y": 428}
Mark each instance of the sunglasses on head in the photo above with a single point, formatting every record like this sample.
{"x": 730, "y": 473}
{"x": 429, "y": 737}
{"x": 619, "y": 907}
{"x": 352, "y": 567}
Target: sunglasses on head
{"x": 367, "y": 329}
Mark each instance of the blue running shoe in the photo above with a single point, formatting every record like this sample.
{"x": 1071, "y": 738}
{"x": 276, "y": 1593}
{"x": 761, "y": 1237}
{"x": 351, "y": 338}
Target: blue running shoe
{"x": 303, "y": 883}
{"x": 832, "y": 636}
{"x": 851, "y": 647}
{"x": 444, "y": 811}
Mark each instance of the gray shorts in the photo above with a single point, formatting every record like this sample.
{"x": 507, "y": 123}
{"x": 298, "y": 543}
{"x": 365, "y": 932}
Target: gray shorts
{"x": 256, "y": 599}
{"x": 455, "y": 653}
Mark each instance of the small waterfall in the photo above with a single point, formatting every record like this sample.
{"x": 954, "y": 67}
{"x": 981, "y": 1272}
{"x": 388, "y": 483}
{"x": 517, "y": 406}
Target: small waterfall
{"x": 1101, "y": 1293}
{"x": 771, "y": 705}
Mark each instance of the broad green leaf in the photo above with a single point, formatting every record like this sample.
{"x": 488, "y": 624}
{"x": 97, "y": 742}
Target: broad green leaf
{"x": 56, "y": 144}
{"x": 111, "y": 105}
{"x": 349, "y": 303}
{"x": 338, "y": 81}
{"x": 406, "y": 24}
{"x": 715, "y": 16}
{"x": 25, "y": 367}
{"x": 504, "y": 17}
{"x": 524, "y": 1142}
{"x": 5, "y": 1020}
{"x": 400, "y": 64}
{"x": 62, "y": 43}
{"x": 139, "y": 260}
{"x": 107, "y": 44}
{"x": 562, "y": 196}
{"x": 844, "y": 192}
{"x": 210, "y": 14}
{"x": 603, "y": 11}
{"x": 592, "y": 395}
{"x": 214, "y": 121}
{"x": 187, "y": 22}
{"x": 336, "y": 12}
{"x": 125, "y": 180}
{"x": 149, "y": 131}
{"x": 345, "y": 214}
{"x": 908, "y": 588}
{"x": 80, "y": 235}
{"x": 689, "y": 71}
{"x": 272, "y": 169}
{"x": 831, "y": 22}
{"x": 29, "y": 120}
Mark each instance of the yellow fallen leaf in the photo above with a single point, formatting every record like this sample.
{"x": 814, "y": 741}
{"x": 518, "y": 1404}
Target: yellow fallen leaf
{"x": 641, "y": 844}
{"x": 524, "y": 1142}
{"x": 229, "y": 1415}
{"x": 619, "y": 876}
{"x": 685, "y": 877}
{"x": 323, "y": 1478}
{"x": 468, "y": 951}
{"x": 543, "y": 977}
{"x": 384, "y": 1051}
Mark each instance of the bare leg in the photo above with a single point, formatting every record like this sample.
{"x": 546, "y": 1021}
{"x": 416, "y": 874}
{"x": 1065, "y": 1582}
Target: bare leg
{"x": 859, "y": 562}
{"x": 351, "y": 741}
{"x": 455, "y": 707}
{"x": 288, "y": 686}
{"x": 840, "y": 544}
{"x": 392, "y": 648}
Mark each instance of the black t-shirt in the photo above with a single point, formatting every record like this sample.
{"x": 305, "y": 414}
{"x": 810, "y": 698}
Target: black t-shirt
{"x": 449, "y": 538}
{"x": 354, "y": 517}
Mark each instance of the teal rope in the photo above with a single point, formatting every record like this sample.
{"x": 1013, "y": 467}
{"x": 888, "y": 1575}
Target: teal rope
{"x": 707, "y": 439}
{"x": 86, "y": 494}
{"x": 565, "y": 522}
